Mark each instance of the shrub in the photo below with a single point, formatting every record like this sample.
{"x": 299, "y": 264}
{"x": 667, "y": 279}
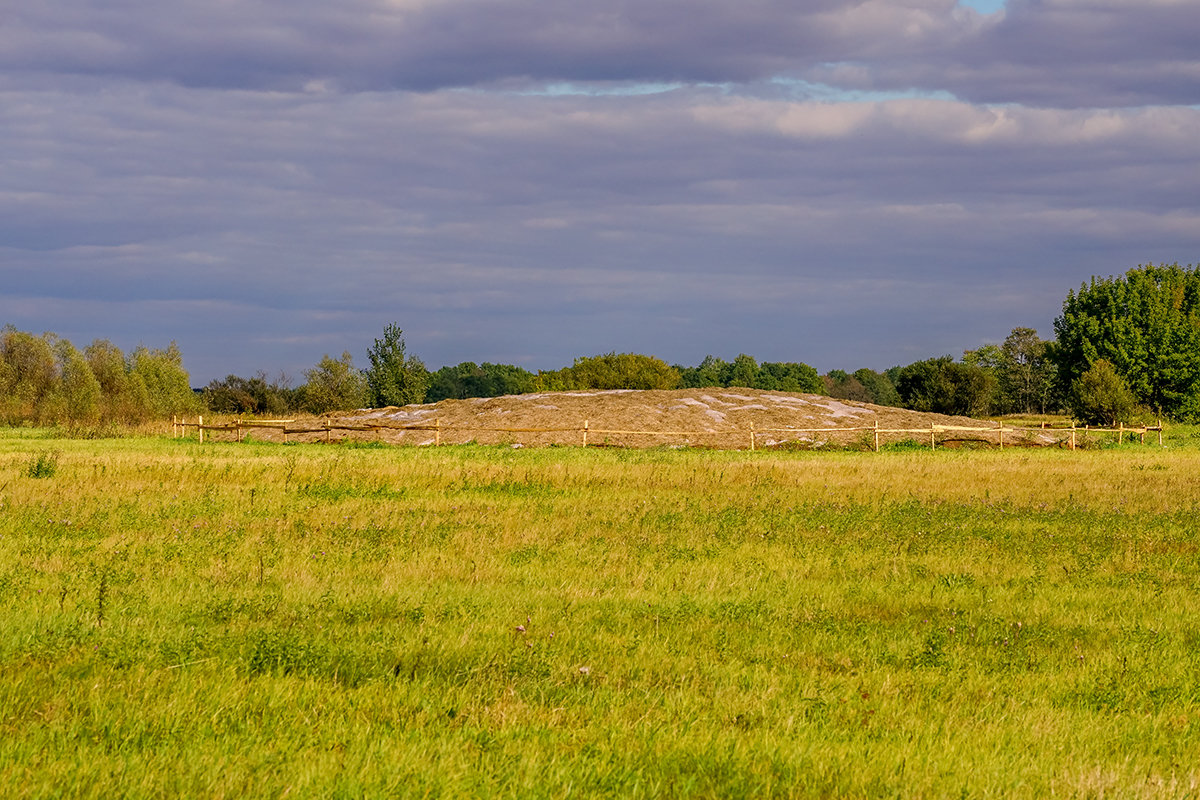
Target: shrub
{"x": 257, "y": 395}
{"x": 42, "y": 465}
{"x": 333, "y": 385}
{"x": 1101, "y": 396}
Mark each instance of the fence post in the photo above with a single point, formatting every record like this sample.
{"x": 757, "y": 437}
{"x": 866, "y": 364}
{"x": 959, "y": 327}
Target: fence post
{"x": 237, "y": 423}
{"x": 876, "y": 436}
{"x": 1121, "y": 433}
{"x": 1001, "y": 435}
{"x": 437, "y": 431}
{"x": 1160, "y": 431}
{"x": 585, "y": 432}
{"x": 200, "y": 428}
{"x": 751, "y": 436}
{"x": 326, "y": 430}
{"x": 932, "y": 439}
{"x": 1072, "y": 434}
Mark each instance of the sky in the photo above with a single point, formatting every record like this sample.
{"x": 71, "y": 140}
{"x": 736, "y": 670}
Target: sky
{"x": 845, "y": 183}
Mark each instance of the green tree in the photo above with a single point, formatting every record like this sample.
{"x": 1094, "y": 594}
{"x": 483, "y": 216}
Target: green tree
{"x": 1100, "y": 396}
{"x": 334, "y": 385}
{"x": 742, "y": 372}
{"x": 28, "y": 374}
{"x": 788, "y": 376}
{"x": 879, "y": 385}
{"x": 167, "y": 385}
{"x": 942, "y": 386}
{"x": 479, "y": 380}
{"x": 710, "y": 372}
{"x": 841, "y": 385}
{"x": 394, "y": 377}
{"x": 76, "y": 398}
{"x": 1146, "y": 324}
{"x": 122, "y": 397}
{"x": 612, "y": 371}
{"x": 1027, "y": 375}
{"x": 257, "y": 395}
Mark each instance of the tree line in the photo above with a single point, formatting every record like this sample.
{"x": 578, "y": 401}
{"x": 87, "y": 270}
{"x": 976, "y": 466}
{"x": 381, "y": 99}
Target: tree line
{"x": 45, "y": 379}
{"x": 1123, "y": 346}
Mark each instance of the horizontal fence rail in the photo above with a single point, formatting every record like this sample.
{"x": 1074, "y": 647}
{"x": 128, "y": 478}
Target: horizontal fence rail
{"x": 180, "y": 427}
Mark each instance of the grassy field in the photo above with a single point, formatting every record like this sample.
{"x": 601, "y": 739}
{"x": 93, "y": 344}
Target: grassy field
{"x": 234, "y": 620}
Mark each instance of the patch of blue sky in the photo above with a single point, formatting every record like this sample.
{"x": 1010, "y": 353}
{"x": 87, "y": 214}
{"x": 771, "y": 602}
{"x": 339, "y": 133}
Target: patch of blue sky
{"x": 821, "y": 92}
{"x": 983, "y": 6}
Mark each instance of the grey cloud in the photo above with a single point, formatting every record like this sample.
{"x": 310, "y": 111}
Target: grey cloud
{"x": 261, "y": 229}
{"x": 1069, "y": 53}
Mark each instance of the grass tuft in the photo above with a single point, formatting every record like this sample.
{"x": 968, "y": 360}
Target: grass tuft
{"x": 42, "y": 465}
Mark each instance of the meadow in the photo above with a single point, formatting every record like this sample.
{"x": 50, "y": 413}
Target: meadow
{"x": 264, "y": 620}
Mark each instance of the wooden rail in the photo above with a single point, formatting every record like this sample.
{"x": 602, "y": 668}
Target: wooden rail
{"x": 179, "y": 427}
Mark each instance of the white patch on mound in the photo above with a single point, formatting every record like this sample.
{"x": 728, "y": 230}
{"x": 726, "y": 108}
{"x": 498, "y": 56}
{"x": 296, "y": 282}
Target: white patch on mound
{"x": 708, "y": 398}
{"x": 837, "y": 409}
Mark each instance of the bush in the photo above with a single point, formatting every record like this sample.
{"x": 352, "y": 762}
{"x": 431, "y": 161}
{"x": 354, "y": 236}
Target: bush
{"x": 333, "y": 385}
{"x": 42, "y": 465}
{"x": 1100, "y": 396}
{"x": 257, "y": 395}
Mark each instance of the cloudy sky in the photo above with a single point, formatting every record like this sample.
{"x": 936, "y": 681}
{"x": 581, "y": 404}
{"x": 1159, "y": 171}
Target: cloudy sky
{"x": 842, "y": 182}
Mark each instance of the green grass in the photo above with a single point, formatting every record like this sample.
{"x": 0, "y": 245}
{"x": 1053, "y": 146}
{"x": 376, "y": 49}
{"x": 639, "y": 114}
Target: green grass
{"x": 258, "y": 620}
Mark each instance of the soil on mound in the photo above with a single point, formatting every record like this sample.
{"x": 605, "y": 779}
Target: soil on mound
{"x": 712, "y": 417}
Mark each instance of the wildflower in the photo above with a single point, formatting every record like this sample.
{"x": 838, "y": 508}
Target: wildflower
{"x": 585, "y": 670}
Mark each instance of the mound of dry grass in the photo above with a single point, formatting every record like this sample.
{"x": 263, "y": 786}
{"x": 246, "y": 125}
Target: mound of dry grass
{"x": 710, "y": 417}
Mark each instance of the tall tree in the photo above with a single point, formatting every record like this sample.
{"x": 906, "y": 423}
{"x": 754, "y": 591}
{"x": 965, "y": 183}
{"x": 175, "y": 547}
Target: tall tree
{"x": 394, "y": 378}
{"x": 28, "y": 374}
{"x": 1027, "y": 375}
{"x": 1146, "y": 324}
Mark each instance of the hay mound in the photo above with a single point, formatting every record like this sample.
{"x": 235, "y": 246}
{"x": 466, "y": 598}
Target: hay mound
{"x": 629, "y": 418}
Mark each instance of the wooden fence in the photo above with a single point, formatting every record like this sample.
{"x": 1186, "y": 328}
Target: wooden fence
{"x": 1017, "y": 434}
